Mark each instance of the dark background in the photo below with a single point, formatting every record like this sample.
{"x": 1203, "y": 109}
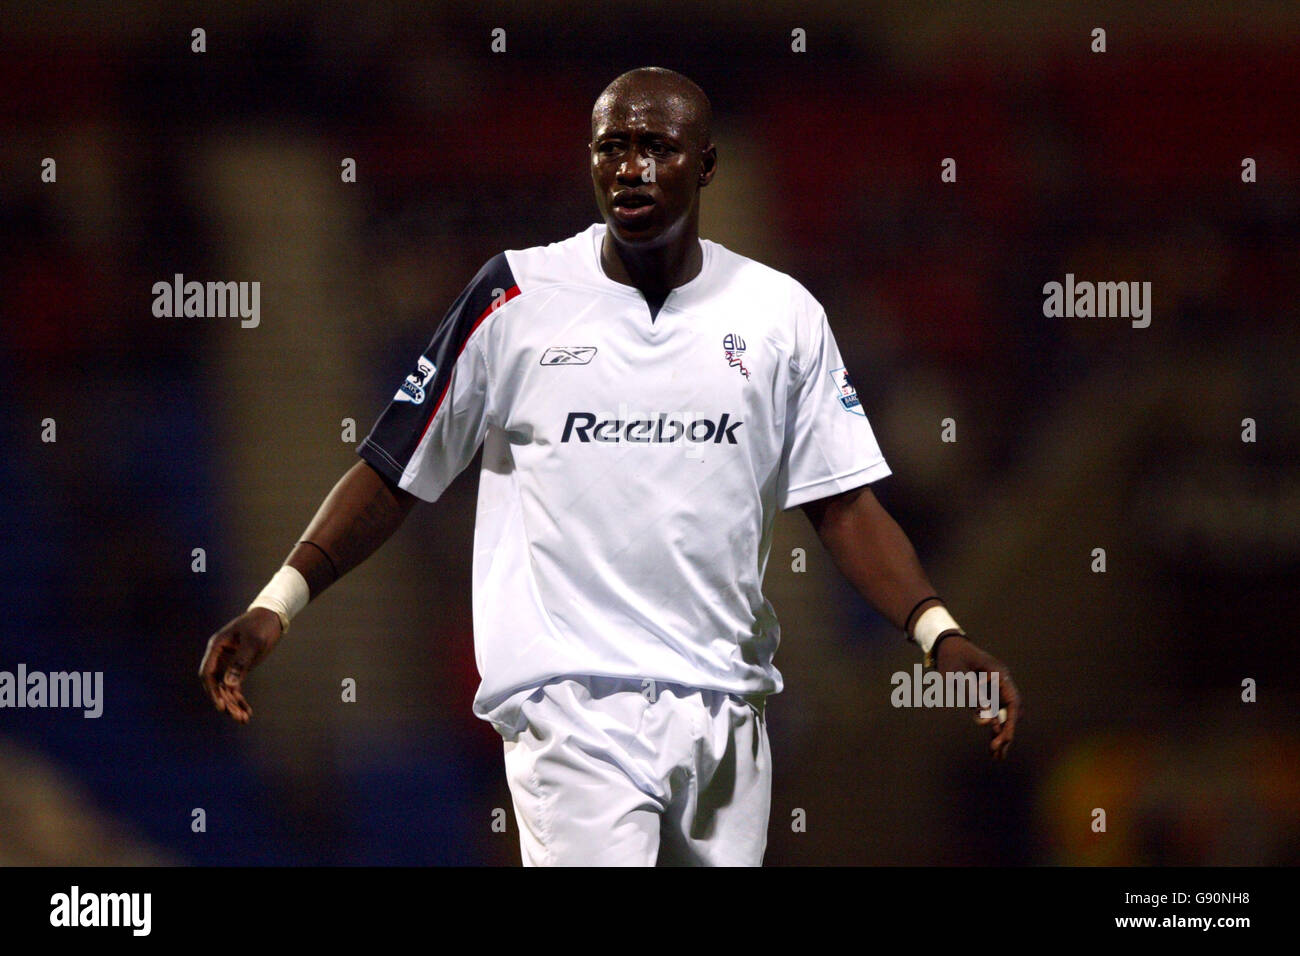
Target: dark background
{"x": 1072, "y": 434}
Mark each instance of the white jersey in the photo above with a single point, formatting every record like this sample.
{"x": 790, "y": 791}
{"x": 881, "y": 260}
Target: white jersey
{"x": 632, "y": 469}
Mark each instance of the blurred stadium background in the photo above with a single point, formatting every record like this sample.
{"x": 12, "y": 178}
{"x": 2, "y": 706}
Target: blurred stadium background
{"x": 175, "y": 434}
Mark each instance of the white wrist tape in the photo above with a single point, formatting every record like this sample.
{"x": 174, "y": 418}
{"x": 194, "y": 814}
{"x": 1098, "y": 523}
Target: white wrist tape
{"x": 286, "y": 594}
{"x": 933, "y": 621}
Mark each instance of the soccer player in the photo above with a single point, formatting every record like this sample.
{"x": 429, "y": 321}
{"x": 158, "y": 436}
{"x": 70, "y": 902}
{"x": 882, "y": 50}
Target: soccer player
{"x": 646, "y": 402}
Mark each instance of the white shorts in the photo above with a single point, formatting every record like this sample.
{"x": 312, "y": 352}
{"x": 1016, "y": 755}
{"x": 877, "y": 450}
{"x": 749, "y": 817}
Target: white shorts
{"x": 606, "y": 773}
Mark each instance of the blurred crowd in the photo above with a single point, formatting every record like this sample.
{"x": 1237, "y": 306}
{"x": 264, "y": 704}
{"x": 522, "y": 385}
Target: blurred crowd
{"x": 1072, "y": 434}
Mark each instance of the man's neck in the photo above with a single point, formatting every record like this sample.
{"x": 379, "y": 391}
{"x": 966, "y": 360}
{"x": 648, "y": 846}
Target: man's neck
{"x": 655, "y": 271}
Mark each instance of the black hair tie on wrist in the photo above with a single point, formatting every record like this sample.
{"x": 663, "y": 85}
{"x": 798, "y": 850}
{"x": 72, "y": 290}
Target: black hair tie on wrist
{"x": 327, "y": 557}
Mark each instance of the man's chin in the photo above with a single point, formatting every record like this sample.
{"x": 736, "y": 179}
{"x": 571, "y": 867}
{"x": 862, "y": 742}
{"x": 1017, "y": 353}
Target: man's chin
{"x": 634, "y": 233}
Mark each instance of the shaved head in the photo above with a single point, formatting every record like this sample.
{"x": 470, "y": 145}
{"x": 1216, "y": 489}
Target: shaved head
{"x": 654, "y": 86}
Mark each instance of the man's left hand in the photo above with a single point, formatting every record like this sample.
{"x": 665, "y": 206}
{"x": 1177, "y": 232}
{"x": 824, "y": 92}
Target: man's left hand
{"x": 956, "y": 653}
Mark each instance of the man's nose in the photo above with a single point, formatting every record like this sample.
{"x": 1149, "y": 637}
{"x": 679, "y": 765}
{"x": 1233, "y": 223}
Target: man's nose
{"x": 629, "y": 170}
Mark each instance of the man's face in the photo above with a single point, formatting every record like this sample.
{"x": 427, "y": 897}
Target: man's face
{"x": 646, "y": 168}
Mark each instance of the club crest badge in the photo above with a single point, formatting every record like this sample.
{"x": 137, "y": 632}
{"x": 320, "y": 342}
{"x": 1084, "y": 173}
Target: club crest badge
{"x": 733, "y": 347}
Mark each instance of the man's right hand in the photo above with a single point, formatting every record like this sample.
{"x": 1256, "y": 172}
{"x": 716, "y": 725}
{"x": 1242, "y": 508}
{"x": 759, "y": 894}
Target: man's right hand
{"x": 359, "y": 514}
{"x": 234, "y": 651}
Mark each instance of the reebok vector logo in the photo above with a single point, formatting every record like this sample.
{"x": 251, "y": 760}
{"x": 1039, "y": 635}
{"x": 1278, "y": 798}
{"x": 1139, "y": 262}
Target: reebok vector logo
{"x": 667, "y": 427}
{"x": 568, "y": 355}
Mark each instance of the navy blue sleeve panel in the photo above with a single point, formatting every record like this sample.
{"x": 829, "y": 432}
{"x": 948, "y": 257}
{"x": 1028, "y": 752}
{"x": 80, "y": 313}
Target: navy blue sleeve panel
{"x": 423, "y": 397}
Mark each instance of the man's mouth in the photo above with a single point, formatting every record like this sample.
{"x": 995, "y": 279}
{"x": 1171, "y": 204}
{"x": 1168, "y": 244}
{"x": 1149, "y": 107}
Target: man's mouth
{"x": 632, "y": 199}
{"x": 632, "y": 208}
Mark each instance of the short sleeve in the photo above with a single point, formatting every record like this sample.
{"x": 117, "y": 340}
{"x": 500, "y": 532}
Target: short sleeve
{"x": 437, "y": 419}
{"x": 829, "y": 445}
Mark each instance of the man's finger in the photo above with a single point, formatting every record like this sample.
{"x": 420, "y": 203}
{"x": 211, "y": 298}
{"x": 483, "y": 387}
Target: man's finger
{"x": 243, "y": 712}
{"x": 245, "y": 655}
{"x": 236, "y": 705}
{"x": 214, "y": 691}
{"x": 1010, "y": 693}
{"x": 235, "y": 674}
{"x": 208, "y": 665}
{"x": 1002, "y": 741}
{"x": 1008, "y": 715}
{"x": 210, "y": 669}
{"x": 1015, "y": 708}
{"x": 231, "y": 695}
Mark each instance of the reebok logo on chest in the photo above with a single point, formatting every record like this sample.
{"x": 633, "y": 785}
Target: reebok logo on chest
{"x": 667, "y": 427}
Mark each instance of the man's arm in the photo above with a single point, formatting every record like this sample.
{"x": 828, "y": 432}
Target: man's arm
{"x": 426, "y": 436}
{"x": 357, "y": 516}
{"x": 872, "y": 551}
{"x": 875, "y": 555}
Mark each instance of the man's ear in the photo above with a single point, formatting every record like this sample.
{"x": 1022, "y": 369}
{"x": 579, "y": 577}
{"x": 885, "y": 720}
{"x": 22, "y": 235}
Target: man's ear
{"x": 708, "y": 164}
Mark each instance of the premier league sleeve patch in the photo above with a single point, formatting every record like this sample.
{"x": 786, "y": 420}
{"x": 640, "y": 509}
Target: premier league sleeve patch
{"x": 848, "y": 394}
{"x": 412, "y": 389}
